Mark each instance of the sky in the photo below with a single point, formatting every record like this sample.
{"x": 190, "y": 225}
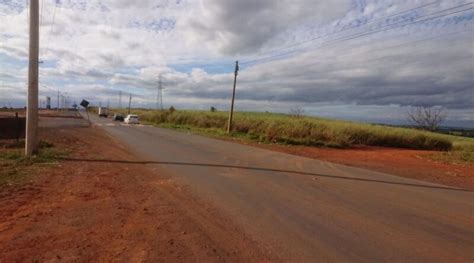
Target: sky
{"x": 361, "y": 60}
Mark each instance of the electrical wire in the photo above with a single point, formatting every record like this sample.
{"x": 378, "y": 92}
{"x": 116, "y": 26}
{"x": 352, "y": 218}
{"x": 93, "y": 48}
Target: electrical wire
{"x": 395, "y": 46}
{"x": 362, "y": 34}
{"x": 51, "y": 28}
{"x": 351, "y": 27}
{"x": 41, "y": 13}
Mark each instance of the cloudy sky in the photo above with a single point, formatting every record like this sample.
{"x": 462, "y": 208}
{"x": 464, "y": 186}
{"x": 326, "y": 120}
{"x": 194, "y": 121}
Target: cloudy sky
{"x": 366, "y": 60}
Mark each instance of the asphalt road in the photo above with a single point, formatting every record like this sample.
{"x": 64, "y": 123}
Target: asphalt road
{"x": 307, "y": 210}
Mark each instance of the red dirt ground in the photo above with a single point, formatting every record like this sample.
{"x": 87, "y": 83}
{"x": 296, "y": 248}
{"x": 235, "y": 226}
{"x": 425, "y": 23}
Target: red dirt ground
{"x": 402, "y": 162}
{"x": 85, "y": 211}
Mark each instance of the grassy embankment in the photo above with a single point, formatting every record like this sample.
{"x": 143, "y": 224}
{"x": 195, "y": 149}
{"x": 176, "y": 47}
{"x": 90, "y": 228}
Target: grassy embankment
{"x": 462, "y": 151}
{"x": 311, "y": 131}
{"x": 15, "y": 167}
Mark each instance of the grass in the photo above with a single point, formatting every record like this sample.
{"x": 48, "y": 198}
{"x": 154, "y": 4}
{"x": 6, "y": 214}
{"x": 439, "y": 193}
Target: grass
{"x": 310, "y": 131}
{"x": 15, "y": 167}
{"x": 462, "y": 152}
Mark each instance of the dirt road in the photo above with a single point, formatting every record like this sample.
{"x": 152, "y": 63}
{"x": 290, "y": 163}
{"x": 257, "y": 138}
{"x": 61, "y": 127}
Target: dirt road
{"x": 309, "y": 210}
{"x": 111, "y": 211}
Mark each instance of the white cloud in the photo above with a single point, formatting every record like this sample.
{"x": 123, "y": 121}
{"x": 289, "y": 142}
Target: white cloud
{"x": 241, "y": 27}
{"x": 112, "y": 45}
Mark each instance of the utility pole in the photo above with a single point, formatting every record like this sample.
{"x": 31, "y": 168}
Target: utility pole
{"x": 31, "y": 144}
{"x": 129, "y": 103}
{"x": 159, "y": 94}
{"x": 120, "y": 99}
{"x": 231, "y": 114}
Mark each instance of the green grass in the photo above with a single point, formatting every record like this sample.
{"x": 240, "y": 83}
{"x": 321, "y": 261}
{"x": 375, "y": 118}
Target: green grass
{"x": 311, "y": 131}
{"x": 15, "y": 167}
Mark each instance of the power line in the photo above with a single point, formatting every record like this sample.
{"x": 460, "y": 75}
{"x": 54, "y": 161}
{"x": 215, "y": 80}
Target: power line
{"x": 362, "y": 34}
{"x": 326, "y": 35}
{"x": 394, "y": 46}
{"x": 371, "y": 32}
{"x": 52, "y": 25}
{"x": 10, "y": 86}
{"x": 411, "y": 23}
{"x": 415, "y": 41}
{"x": 41, "y": 13}
{"x": 351, "y": 27}
{"x": 27, "y": 13}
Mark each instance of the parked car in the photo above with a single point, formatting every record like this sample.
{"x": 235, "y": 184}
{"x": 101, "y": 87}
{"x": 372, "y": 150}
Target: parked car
{"x": 103, "y": 112}
{"x": 132, "y": 119}
{"x": 118, "y": 117}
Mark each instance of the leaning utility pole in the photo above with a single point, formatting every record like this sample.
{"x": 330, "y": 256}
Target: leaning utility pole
{"x": 129, "y": 103}
{"x": 231, "y": 114}
{"x": 31, "y": 144}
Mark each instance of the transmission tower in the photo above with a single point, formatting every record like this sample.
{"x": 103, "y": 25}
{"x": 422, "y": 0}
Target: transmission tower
{"x": 159, "y": 94}
{"x": 120, "y": 100}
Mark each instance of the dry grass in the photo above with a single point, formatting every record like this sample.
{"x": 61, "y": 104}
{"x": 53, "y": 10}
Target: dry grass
{"x": 281, "y": 128}
{"x": 462, "y": 152}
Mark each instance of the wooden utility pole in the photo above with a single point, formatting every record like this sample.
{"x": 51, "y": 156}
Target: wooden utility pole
{"x": 231, "y": 114}
{"x": 31, "y": 144}
{"x": 129, "y": 103}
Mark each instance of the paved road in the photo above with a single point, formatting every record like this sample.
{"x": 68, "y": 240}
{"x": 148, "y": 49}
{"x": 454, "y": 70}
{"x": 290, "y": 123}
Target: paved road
{"x": 307, "y": 210}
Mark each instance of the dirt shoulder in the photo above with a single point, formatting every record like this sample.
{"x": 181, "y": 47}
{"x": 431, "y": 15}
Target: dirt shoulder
{"x": 402, "y": 162}
{"x": 104, "y": 211}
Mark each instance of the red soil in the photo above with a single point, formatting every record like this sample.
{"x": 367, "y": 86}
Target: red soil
{"x": 402, "y": 162}
{"x": 85, "y": 211}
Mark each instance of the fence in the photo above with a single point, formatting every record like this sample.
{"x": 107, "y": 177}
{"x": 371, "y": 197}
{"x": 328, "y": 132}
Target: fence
{"x": 12, "y": 127}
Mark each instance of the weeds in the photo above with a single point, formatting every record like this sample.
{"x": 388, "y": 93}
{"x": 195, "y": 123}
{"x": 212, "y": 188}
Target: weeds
{"x": 14, "y": 166}
{"x": 281, "y": 128}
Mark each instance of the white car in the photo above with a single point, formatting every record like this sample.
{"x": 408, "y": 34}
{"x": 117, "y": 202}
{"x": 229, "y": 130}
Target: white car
{"x": 131, "y": 119}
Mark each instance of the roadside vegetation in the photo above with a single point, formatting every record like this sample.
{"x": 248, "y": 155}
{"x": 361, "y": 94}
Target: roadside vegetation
{"x": 462, "y": 151}
{"x": 15, "y": 167}
{"x": 298, "y": 130}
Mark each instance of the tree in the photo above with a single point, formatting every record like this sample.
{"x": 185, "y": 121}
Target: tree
{"x": 297, "y": 112}
{"x": 213, "y": 109}
{"x": 426, "y": 118}
{"x": 172, "y": 109}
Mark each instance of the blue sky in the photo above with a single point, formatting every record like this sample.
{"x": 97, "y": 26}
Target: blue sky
{"x": 366, "y": 60}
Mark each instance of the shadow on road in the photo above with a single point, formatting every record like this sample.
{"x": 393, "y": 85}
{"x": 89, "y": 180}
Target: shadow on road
{"x": 265, "y": 170}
